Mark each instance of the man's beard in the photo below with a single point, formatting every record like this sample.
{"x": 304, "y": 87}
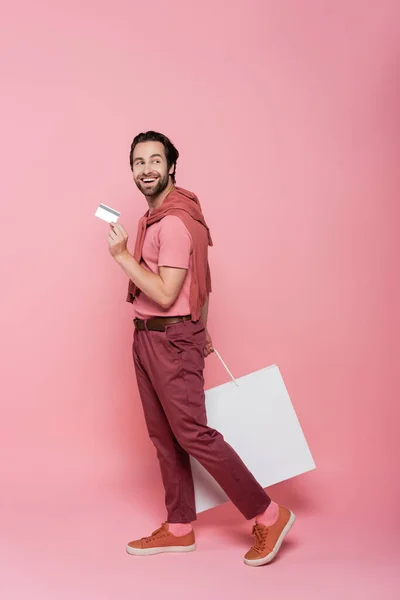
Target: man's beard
{"x": 156, "y": 189}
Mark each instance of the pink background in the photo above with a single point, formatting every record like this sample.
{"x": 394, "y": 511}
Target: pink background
{"x": 286, "y": 115}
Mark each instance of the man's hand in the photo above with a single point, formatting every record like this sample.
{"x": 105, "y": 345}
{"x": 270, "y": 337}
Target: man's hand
{"x": 117, "y": 240}
{"x": 208, "y": 348}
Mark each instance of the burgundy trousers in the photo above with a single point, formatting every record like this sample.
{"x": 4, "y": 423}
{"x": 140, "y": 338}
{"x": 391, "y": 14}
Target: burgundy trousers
{"x": 169, "y": 368}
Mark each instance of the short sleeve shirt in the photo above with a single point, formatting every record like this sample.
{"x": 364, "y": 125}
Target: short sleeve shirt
{"x": 167, "y": 243}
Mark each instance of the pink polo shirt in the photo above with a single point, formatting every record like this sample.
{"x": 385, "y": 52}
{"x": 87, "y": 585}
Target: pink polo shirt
{"x": 167, "y": 243}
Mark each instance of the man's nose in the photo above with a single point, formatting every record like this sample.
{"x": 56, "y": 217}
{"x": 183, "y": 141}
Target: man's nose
{"x": 147, "y": 169}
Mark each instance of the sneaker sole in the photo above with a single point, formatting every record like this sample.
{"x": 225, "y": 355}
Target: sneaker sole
{"x": 150, "y": 551}
{"x": 270, "y": 557}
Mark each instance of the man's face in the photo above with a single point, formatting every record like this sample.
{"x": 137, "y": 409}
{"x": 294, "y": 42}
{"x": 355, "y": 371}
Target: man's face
{"x": 150, "y": 169}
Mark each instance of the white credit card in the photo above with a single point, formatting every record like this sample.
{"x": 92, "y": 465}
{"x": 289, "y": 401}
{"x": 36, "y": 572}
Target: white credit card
{"x": 110, "y": 215}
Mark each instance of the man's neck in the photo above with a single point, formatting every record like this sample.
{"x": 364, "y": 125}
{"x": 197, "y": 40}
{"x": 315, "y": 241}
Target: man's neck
{"x": 156, "y": 201}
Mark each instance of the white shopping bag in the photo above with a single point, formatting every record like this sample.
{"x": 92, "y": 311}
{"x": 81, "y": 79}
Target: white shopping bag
{"x": 256, "y": 417}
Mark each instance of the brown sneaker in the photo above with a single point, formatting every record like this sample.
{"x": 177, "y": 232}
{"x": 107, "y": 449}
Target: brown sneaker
{"x": 269, "y": 539}
{"x": 162, "y": 540}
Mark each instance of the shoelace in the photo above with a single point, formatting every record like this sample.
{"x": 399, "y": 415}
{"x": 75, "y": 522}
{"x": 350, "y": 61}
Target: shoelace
{"x": 155, "y": 533}
{"x": 260, "y": 534}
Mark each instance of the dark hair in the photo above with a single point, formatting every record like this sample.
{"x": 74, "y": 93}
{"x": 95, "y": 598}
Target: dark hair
{"x": 171, "y": 152}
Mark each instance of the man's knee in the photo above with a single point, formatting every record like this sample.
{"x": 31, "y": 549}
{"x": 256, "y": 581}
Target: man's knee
{"x": 195, "y": 438}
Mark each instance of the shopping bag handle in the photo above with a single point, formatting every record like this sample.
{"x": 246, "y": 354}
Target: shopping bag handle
{"x": 226, "y": 368}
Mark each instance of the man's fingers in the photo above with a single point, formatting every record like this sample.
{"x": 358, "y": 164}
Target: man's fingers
{"x": 119, "y": 229}
{"x": 208, "y": 349}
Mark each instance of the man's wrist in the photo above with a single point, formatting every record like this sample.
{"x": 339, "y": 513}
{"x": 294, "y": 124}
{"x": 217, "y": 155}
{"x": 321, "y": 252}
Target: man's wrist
{"x": 122, "y": 257}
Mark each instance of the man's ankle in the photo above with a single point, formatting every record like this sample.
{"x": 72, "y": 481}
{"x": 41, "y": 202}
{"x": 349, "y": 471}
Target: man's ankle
{"x": 179, "y": 529}
{"x": 270, "y": 516}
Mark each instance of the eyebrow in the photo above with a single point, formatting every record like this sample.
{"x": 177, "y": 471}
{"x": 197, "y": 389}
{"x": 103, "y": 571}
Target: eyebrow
{"x": 152, "y": 156}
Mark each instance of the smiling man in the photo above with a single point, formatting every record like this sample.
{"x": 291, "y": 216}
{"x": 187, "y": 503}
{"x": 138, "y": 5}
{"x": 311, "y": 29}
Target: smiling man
{"x": 169, "y": 287}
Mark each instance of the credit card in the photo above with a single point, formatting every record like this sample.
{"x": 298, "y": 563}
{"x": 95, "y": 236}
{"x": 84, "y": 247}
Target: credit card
{"x": 110, "y": 215}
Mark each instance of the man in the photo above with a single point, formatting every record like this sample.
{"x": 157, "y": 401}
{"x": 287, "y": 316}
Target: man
{"x": 169, "y": 287}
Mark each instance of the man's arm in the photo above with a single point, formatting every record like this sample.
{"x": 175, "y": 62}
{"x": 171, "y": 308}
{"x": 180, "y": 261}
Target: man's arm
{"x": 204, "y": 311}
{"x": 163, "y": 288}
{"x": 208, "y": 348}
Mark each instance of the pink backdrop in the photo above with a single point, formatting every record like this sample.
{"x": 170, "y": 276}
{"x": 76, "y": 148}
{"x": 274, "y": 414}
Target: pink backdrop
{"x": 286, "y": 115}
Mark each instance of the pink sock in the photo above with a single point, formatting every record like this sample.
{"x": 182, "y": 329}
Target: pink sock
{"x": 179, "y": 529}
{"x": 270, "y": 516}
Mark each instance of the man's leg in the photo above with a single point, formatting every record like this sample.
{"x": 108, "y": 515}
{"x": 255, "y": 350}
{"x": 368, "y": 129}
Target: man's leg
{"x": 174, "y": 460}
{"x": 175, "y": 364}
{"x": 182, "y": 396}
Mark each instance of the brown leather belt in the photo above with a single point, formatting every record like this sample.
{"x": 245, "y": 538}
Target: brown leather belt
{"x": 159, "y": 323}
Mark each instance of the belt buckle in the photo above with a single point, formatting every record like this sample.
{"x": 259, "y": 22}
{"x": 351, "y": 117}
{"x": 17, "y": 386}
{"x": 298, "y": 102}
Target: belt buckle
{"x": 136, "y": 322}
